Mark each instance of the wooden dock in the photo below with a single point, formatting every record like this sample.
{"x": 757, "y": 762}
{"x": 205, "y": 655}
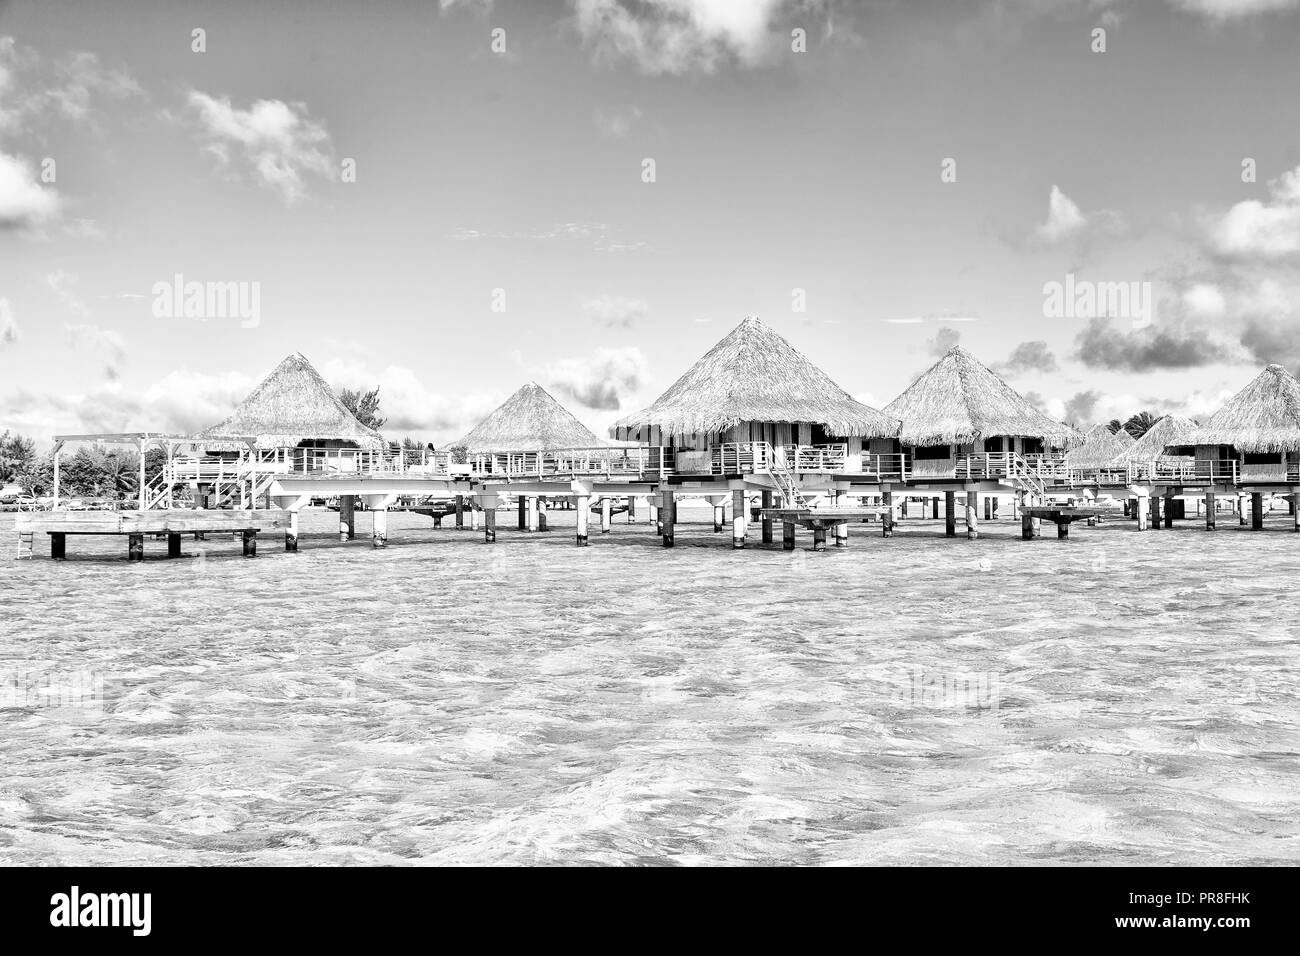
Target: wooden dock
{"x": 1063, "y": 518}
{"x": 173, "y": 522}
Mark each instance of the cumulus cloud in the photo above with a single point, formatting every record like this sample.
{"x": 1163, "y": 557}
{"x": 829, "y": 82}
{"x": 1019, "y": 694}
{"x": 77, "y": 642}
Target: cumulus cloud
{"x": 409, "y": 406}
{"x": 64, "y": 285}
{"x": 680, "y": 36}
{"x": 1268, "y": 229}
{"x": 943, "y": 340}
{"x": 1065, "y": 221}
{"x": 280, "y": 145}
{"x": 72, "y": 86}
{"x": 1081, "y": 407}
{"x": 1028, "y": 357}
{"x": 1222, "y": 10}
{"x": 9, "y": 333}
{"x": 24, "y": 203}
{"x": 1168, "y": 345}
{"x": 615, "y": 311}
{"x": 603, "y": 380}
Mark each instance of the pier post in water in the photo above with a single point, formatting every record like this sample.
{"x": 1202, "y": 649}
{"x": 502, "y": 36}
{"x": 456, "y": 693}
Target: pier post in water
{"x": 1169, "y": 508}
{"x": 1209, "y": 511}
{"x": 1142, "y": 512}
{"x": 1062, "y": 529}
{"x": 173, "y": 544}
{"x": 290, "y": 533}
{"x": 950, "y": 513}
{"x": 842, "y": 527}
{"x": 886, "y": 519}
{"x": 719, "y": 512}
{"x": 606, "y": 514}
{"x": 1256, "y": 511}
{"x": 787, "y": 535}
{"x": 1155, "y": 512}
{"x": 584, "y": 513}
{"x": 347, "y": 517}
{"x": 972, "y": 514}
{"x": 631, "y": 509}
{"x": 767, "y": 519}
{"x": 460, "y": 512}
{"x": 541, "y": 513}
{"x": 135, "y": 547}
{"x": 59, "y": 545}
{"x": 379, "y": 530}
{"x": 1295, "y": 512}
{"x": 532, "y": 512}
{"x": 819, "y": 537}
{"x": 739, "y": 507}
{"x": 250, "y": 543}
{"x": 656, "y": 519}
{"x": 522, "y": 502}
{"x": 1241, "y": 508}
{"x": 490, "y": 524}
{"x": 1026, "y": 526}
{"x": 667, "y": 517}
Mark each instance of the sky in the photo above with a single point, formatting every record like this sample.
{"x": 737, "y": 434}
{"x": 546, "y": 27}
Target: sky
{"x": 450, "y": 199}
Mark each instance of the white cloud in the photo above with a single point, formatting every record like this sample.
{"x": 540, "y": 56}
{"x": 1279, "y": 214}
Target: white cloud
{"x": 24, "y": 203}
{"x": 1204, "y": 300}
{"x": 616, "y": 311}
{"x": 9, "y": 333}
{"x": 603, "y": 380}
{"x": 407, "y": 404}
{"x": 278, "y": 141}
{"x": 1063, "y": 218}
{"x": 1222, "y": 10}
{"x": 677, "y": 36}
{"x": 64, "y": 285}
{"x": 35, "y": 87}
{"x": 1270, "y": 229}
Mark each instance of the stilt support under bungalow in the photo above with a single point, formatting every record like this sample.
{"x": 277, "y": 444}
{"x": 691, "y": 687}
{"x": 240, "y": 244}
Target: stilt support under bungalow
{"x": 584, "y": 512}
{"x": 819, "y": 537}
{"x": 1155, "y": 513}
{"x": 739, "y": 514}
{"x": 59, "y": 546}
{"x": 767, "y": 521}
{"x": 1295, "y": 512}
{"x": 291, "y": 532}
{"x": 523, "y": 512}
{"x": 787, "y": 535}
{"x": 250, "y": 543}
{"x": 1063, "y": 529}
{"x": 541, "y": 513}
{"x": 1209, "y": 511}
{"x": 631, "y": 509}
{"x": 972, "y": 514}
{"x": 532, "y": 512}
{"x": 886, "y": 519}
{"x": 490, "y": 525}
{"x": 347, "y": 517}
{"x": 474, "y": 509}
{"x": 656, "y": 519}
{"x": 950, "y": 513}
{"x": 1241, "y": 508}
{"x": 1169, "y": 508}
{"x": 842, "y": 527}
{"x": 174, "y": 544}
{"x": 719, "y": 512}
{"x": 667, "y": 517}
{"x": 460, "y": 512}
{"x": 135, "y": 547}
{"x": 1256, "y": 511}
{"x": 1026, "y": 525}
{"x": 1143, "y": 502}
{"x": 606, "y": 514}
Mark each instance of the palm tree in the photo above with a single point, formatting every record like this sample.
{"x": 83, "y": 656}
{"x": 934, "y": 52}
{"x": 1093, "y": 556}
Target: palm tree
{"x": 1139, "y": 424}
{"x": 1114, "y": 425}
{"x": 364, "y": 405}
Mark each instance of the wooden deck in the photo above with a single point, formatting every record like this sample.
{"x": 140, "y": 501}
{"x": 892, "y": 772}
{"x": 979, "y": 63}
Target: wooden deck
{"x": 1062, "y": 517}
{"x": 172, "y": 522}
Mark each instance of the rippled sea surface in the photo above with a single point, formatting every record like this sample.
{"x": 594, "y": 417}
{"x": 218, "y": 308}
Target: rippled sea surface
{"x": 1119, "y": 697}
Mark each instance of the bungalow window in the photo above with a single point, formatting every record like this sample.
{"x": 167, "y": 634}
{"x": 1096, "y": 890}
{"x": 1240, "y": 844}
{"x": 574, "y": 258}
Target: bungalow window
{"x": 931, "y": 452}
{"x": 1263, "y": 458}
{"x": 1031, "y": 446}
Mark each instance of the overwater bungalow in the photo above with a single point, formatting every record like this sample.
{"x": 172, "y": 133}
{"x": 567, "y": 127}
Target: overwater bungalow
{"x": 530, "y": 420}
{"x": 1099, "y": 450}
{"x": 967, "y": 430}
{"x": 754, "y": 415}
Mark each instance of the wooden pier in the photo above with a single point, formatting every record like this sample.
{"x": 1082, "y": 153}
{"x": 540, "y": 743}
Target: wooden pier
{"x": 135, "y": 525}
{"x": 1063, "y": 518}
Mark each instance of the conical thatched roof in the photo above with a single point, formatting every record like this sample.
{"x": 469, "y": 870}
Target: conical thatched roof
{"x": 959, "y": 400}
{"x": 529, "y": 420}
{"x": 1172, "y": 430}
{"x": 755, "y": 375}
{"x": 1263, "y": 417}
{"x": 291, "y": 405}
{"x": 1102, "y": 449}
{"x": 1099, "y": 430}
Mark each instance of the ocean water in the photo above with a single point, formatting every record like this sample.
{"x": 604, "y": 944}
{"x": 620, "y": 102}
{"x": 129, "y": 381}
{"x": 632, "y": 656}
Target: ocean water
{"x": 1119, "y": 697}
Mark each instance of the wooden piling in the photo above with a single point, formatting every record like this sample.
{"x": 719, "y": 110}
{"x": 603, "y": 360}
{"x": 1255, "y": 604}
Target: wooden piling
{"x": 842, "y": 527}
{"x": 174, "y": 544}
{"x": 250, "y": 543}
{"x": 606, "y": 514}
{"x": 460, "y": 512}
{"x": 768, "y": 523}
{"x": 541, "y": 513}
{"x": 1143, "y": 503}
{"x": 1169, "y": 508}
{"x": 135, "y": 547}
{"x": 719, "y": 516}
{"x": 1155, "y": 513}
{"x": 738, "y": 517}
{"x": 584, "y": 511}
{"x": 1026, "y": 526}
{"x": 532, "y": 512}
{"x": 59, "y": 545}
{"x": 291, "y": 532}
{"x": 1241, "y": 509}
{"x": 631, "y": 509}
{"x": 1209, "y": 511}
{"x": 972, "y": 515}
{"x": 787, "y": 535}
{"x": 887, "y": 519}
{"x": 950, "y": 513}
{"x": 1062, "y": 529}
{"x": 523, "y": 512}
{"x": 819, "y": 537}
{"x": 1256, "y": 511}
{"x": 379, "y": 530}
{"x": 490, "y": 525}
{"x": 667, "y": 517}
{"x": 347, "y": 517}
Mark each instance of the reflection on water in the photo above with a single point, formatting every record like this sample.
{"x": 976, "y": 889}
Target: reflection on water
{"x": 1114, "y": 698}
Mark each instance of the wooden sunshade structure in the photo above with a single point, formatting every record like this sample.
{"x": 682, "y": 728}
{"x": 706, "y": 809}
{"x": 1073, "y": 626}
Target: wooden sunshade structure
{"x": 529, "y": 420}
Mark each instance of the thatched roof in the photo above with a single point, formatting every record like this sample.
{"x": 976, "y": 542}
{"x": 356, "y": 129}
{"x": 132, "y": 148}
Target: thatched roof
{"x": 1170, "y": 431}
{"x": 959, "y": 400}
{"x": 755, "y": 375}
{"x": 529, "y": 420}
{"x": 1101, "y": 450}
{"x": 1100, "y": 430}
{"x": 291, "y": 405}
{"x": 1263, "y": 417}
